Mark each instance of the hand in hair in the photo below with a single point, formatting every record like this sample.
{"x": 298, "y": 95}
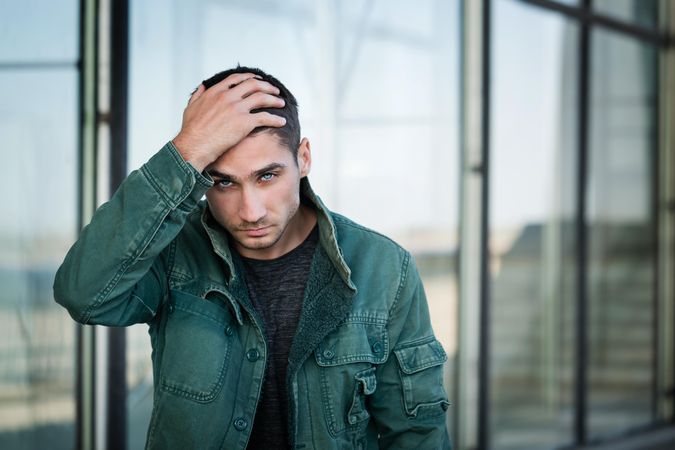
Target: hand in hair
{"x": 218, "y": 118}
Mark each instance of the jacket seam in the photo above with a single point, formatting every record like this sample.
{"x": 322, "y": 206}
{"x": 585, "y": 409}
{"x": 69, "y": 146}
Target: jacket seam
{"x": 172, "y": 257}
{"x": 403, "y": 279}
{"x": 136, "y": 297}
{"x": 415, "y": 342}
{"x": 311, "y": 424}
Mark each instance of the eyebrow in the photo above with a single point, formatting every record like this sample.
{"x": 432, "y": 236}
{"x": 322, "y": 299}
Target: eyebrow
{"x": 254, "y": 174}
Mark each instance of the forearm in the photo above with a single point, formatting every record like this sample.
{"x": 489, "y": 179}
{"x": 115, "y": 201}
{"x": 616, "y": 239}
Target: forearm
{"x": 114, "y": 273}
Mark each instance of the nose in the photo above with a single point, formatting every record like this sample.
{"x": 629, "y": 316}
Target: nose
{"x": 251, "y": 209}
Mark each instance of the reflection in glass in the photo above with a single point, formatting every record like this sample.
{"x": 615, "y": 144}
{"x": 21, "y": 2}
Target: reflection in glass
{"x": 378, "y": 91}
{"x": 621, "y": 287}
{"x": 38, "y": 125}
{"x": 532, "y": 236}
{"x": 39, "y": 31}
{"x": 639, "y": 12}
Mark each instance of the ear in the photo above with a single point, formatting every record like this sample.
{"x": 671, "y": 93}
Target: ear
{"x": 304, "y": 157}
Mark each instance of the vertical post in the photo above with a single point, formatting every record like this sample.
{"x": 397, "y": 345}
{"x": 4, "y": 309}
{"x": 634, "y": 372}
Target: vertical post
{"x": 119, "y": 63}
{"x": 581, "y": 369}
{"x": 472, "y": 386}
{"x": 665, "y": 388}
{"x": 86, "y": 335}
{"x": 485, "y": 322}
{"x": 654, "y": 195}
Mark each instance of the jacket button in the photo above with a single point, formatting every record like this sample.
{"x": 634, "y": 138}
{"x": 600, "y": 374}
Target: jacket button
{"x": 240, "y": 423}
{"x": 252, "y": 355}
{"x": 377, "y": 347}
{"x": 328, "y": 354}
{"x": 228, "y": 330}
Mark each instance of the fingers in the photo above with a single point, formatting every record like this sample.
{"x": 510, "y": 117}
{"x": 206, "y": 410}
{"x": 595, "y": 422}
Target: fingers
{"x": 249, "y": 90}
{"x": 232, "y": 80}
{"x": 262, "y": 100}
{"x": 252, "y": 85}
{"x": 266, "y": 119}
{"x": 196, "y": 93}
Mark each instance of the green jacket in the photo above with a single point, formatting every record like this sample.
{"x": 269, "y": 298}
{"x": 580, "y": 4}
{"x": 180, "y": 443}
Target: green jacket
{"x": 364, "y": 370}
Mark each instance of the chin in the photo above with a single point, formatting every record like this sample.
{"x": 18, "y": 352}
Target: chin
{"x": 258, "y": 243}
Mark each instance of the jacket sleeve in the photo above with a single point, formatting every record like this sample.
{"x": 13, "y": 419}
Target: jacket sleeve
{"x": 409, "y": 402}
{"x": 116, "y": 272}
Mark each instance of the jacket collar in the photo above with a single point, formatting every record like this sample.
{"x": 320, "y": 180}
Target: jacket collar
{"x": 328, "y": 237}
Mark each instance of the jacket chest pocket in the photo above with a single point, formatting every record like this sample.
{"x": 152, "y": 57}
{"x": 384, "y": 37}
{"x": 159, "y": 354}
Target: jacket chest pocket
{"x": 196, "y": 347}
{"x": 347, "y": 359}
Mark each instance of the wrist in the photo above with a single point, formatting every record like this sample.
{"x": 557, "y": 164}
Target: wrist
{"x": 186, "y": 150}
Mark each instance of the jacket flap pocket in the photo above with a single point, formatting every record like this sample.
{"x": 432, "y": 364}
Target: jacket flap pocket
{"x": 192, "y": 304}
{"x": 354, "y": 342}
{"x": 421, "y": 356}
{"x": 210, "y": 292}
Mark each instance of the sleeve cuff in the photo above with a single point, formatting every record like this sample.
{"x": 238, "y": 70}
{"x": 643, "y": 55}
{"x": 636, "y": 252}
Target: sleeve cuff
{"x": 176, "y": 180}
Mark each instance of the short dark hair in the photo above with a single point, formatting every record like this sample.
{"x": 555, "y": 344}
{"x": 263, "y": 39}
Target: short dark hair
{"x": 289, "y": 134}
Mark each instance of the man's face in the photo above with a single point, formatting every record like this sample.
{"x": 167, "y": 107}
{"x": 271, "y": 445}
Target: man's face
{"x": 256, "y": 194}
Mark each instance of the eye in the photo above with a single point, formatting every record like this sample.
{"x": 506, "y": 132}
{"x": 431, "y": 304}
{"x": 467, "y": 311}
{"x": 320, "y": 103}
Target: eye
{"x": 224, "y": 183}
{"x": 267, "y": 176}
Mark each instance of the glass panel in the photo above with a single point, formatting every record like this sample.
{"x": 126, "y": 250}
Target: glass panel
{"x": 621, "y": 232}
{"x": 39, "y": 31}
{"x": 39, "y": 185}
{"x": 640, "y": 12}
{"x": 378, "y": 89}
{"x": 532, "y": 237}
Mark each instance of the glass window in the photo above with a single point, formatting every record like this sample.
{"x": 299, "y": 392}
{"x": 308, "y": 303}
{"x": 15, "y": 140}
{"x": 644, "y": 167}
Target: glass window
{"x": 38, "y": 135}
{"x": 621, "y": 288}
{"x": 378, "y": 88}
{"x": 640, "y": 12}
{"x": 39, "y": 31}
{"x": 532, "y": 238}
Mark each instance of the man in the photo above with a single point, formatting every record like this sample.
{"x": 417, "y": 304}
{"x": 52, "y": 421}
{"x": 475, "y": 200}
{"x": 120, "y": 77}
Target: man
{"x": 274, "y": 322}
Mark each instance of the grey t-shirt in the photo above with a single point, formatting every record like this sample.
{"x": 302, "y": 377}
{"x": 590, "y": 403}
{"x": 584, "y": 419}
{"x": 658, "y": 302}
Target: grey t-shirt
{"x": 276, "y": 288}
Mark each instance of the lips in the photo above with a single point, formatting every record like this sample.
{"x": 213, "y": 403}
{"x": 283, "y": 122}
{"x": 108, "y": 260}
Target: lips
{"x": 256, "y": 232}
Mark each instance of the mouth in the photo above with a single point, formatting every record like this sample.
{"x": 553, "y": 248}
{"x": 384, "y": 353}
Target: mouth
{"x": 256, "y": 232}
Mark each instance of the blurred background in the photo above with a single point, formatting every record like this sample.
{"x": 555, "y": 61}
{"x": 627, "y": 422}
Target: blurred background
{"x": 520, "y": 149}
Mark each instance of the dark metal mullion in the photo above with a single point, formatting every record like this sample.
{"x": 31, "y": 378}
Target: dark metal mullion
{"x": 119, "y": 63}
{"x": 79, "y": 351}
{"x": 585, "y": 14}
{"x": 656, "y": 201}
{"x": 85, "y": 378}
{"x": 484, "y": 431}
{"x": 581, "y": 372}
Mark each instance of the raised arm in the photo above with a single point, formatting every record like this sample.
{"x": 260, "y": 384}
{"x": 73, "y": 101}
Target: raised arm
{"x": 116, "y": 272}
